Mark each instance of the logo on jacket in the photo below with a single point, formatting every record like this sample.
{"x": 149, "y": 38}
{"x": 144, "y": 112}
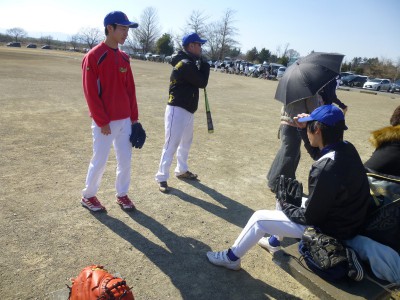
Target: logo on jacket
{"x": 123, "y": 70}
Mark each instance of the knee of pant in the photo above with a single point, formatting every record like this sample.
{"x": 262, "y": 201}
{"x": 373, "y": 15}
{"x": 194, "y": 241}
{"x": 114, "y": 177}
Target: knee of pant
{"x": 257, "y": 216}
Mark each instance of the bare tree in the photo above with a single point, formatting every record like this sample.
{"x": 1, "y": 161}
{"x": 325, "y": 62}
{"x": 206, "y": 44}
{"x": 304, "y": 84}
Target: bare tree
{"x": 196, "y": 23}
{"x": 284, "y": 54}
{"x": 228, "y": 32}
{"x": 213, "y": 46}
{"x": 90, "y": 36}
{"x": 148, "y": 31}
{"x": 221, "y": 35}
{"x": 74, "y": 41}
{"x": 17, "y": 33}
{"x": 292, "y": 53}
{"x": 47, "y": 39}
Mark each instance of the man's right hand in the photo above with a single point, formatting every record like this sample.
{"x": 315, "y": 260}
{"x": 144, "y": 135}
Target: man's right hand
{"x": 106, "y": 130}
{"x": 300, "y": 124}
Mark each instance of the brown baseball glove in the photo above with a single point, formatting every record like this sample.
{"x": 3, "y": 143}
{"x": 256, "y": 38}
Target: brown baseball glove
{"x": 95, "y": 283}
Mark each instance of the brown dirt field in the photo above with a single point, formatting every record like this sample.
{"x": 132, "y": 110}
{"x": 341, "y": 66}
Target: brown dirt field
{"x": 47, "y": 237}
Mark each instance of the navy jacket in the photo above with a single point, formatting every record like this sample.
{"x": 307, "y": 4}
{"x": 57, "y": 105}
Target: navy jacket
{"x": 339, "y": 195}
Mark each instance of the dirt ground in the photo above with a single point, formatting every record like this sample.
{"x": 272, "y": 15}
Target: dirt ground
{"x": 47, "y": 237}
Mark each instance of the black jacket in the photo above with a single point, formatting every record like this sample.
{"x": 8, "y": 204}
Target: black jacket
{"x": 386, "y": 157}
{"x": 186, "y": 79}
{"x": 339, "y": 195}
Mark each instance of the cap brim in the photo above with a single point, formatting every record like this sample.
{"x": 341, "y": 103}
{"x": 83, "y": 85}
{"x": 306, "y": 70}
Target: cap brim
{"x": 130, "y": 24}
{"x": 305, "y": 119}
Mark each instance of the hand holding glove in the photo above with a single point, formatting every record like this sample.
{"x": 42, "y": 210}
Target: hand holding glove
{"x": 289, "y": 191}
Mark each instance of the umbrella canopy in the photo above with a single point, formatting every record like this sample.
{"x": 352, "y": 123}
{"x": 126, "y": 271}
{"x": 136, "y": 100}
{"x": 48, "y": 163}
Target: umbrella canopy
{"x": 307, "y": 76}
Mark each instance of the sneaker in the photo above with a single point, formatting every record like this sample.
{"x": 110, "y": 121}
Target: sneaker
{"x": 163, "y": 187}
{"x": 221, "y": 259}
{"x": 356, "y": 271}
{"x": 264, "y": 243}
{"x": 92, "y": 204}
{"x": 187, "y": 175}
{"x": 125, "y": 203}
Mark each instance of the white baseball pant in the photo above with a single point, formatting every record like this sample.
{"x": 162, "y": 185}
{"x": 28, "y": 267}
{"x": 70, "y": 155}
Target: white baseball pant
{"x": 178, "y": 139}
{"x": 119, "y": 137}
{"x": 272, "y": 222}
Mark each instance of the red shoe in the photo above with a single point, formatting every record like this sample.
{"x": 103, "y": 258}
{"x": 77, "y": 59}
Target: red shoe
{"x": 125, "y": 203}
{"x": 92, "y": 204}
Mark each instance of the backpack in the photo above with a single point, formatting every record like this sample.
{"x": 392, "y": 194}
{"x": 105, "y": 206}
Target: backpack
{"x": 383, "y": 221}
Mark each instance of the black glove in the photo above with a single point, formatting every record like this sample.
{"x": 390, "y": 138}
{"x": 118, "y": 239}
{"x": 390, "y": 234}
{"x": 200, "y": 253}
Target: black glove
{"x": 289, "y": 191}
{"x": 138, "y": 135}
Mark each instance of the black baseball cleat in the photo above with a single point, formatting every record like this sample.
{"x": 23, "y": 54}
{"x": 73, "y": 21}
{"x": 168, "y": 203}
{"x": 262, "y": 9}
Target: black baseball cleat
{"x": 188, "y": 176}
{"x": 163, "y": 187}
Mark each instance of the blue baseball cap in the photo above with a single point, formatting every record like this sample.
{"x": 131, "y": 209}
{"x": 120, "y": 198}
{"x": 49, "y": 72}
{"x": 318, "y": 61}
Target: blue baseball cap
{"x": 330, "y": 115}
{"x": 119, "y": 18}
{"x": 192, "y": 38}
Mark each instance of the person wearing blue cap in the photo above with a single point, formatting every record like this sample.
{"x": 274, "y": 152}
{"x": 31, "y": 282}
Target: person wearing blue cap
{"x": 109, "y": 90}
{"x": 338, "y": 195}
{"x": 190, "y": 72}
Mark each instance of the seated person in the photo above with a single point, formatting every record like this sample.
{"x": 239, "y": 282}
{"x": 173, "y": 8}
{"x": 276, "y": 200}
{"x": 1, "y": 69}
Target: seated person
{"x": 385, "y": 160}
{"x": 338, "y": 194}
{"x": 386, "y": 157}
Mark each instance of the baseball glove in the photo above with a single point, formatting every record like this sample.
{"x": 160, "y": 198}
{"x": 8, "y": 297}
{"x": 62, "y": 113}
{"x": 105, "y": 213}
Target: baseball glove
{"x": 138, "y": 135}
{"x": 289, "y": 190}
{"x": 325, "y": 250}
{"x": 95, "y": 283}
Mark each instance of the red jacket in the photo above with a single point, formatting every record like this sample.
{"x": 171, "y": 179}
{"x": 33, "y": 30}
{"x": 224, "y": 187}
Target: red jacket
{"x": 108, "y": 85}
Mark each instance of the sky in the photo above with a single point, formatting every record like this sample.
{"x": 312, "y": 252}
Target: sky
{"x": 355, "y": 28}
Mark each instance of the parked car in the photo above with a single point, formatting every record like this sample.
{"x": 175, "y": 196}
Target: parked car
{"x": 14, "y": 44}
{"x": 31, "y": 46}
{"x": 344, "y": 74}
{"x": 46, "y": 47}
{"x": 281, "y": 71}
{"x": 274, "y": 69}
{"x": 377, "y": 84}
{"x": 148, "y": 55}
{"x": 354, "y": 80}
{"x": 395, "y": 87}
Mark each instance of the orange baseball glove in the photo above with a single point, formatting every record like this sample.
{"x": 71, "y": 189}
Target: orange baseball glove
{"x": 95, "y": 283}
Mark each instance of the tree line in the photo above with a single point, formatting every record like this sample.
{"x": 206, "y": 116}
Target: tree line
{"x": 221, "y": 38}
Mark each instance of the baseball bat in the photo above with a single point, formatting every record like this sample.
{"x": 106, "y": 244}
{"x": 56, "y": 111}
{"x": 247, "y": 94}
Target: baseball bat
{"x": 210, "y": 125}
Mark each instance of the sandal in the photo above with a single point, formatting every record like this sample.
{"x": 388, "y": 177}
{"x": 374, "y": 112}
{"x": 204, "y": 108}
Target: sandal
{"x": 187, "y": 175}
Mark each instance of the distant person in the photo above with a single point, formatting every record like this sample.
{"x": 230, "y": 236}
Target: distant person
{"x": 328, "y": 94}
{"x": 109, "y": 90}
{"x": 190, "y": 72}
{"x": 287, "y": 158}
{"x": 338, "y": 195}
{"x": 386, "y": 157}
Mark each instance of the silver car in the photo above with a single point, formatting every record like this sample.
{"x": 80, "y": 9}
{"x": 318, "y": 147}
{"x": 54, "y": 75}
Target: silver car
{"x": 281, "y": 71}
{"x": 377, "y": 84}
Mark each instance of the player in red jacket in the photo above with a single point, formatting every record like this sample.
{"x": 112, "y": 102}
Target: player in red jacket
{"x": 109, "y": 90}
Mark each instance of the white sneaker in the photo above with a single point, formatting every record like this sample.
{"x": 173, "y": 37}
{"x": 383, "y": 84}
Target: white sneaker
{"x": 264, "y": 242}
{"x": 221, "y": 259}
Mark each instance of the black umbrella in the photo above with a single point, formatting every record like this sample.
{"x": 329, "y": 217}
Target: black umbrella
{"x": 305, "y": 77}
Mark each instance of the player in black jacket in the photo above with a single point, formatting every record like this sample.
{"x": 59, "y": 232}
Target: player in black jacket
{"x": 338, "y": 194}
{"x": 189, "y": 74}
